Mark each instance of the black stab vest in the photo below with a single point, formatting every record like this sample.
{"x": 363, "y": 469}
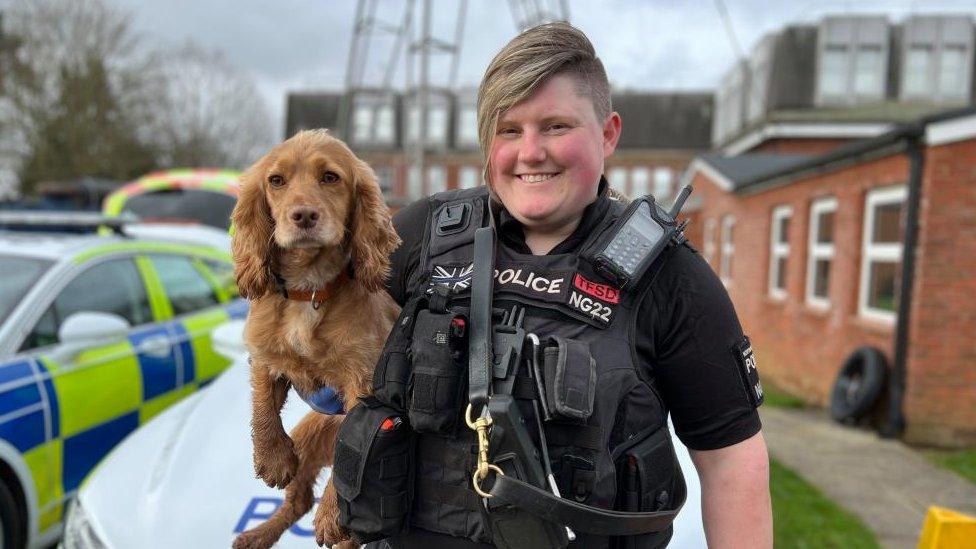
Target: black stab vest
{"x": 563, "y": 296}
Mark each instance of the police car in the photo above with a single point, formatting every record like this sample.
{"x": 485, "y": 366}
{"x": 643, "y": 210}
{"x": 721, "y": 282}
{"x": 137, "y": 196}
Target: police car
{"x": 198, "y": 195}
{"x": 186, "y": 479}
{"x": 98, "y": 334}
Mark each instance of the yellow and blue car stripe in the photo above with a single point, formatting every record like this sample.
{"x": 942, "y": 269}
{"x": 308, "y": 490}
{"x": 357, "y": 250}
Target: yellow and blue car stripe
{"x": 63, "y": 420}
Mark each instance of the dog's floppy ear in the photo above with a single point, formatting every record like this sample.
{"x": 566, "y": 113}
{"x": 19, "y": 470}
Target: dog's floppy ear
{"x": 251, "y": 245}
{"x": 373, "y": 238}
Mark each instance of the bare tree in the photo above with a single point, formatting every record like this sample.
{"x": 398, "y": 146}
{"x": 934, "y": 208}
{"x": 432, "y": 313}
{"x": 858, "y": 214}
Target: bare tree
{"x": 207, "y": 113}
{"x": 183, "y": 107}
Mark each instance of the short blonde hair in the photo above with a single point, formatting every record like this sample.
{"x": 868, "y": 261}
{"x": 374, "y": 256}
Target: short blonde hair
{"x": 530, "y": 59}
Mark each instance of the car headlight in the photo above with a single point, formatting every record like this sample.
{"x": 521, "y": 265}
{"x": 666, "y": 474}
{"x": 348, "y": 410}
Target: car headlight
{"x": 79, "y": 533}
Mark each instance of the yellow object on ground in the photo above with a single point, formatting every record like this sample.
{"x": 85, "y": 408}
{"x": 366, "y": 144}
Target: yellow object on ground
{"x": 947, "y": 529}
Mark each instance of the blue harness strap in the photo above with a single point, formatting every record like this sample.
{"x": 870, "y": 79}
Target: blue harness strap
{"x": 325, "y": 401}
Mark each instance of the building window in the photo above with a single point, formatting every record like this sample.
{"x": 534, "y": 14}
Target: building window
{"x": 868, "y": 67}
{"x": 663, "y": 178}
{"x": 779, "y": 250}
{"x": 881, "y": 254}
{"x": 728, "y": 249}
{"x": 709, "y": 237}
{"x": 415, "y": 184}
{"x": 640, "y": 182}
{"x": 413, "y": 123}
{"x": 468, "y": 177}
{"x": 362, "y": 123}
{"x": 436, "y": 179}
{"x": 384, "y": 176}
{"x": 617, "y": 178}
{"x": 952, "y": 73}
{"x": 468, "y": 126}
{"x": 833, "y": 71}
{"x": 436, "y": 124}
{"x": 384, "y": 124}
{"x": 918, "y": 62}
{"x": 821, "y": 251}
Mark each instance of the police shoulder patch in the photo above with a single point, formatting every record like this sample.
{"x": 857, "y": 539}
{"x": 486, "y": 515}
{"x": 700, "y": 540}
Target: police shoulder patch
{"x": 745, "y": 359}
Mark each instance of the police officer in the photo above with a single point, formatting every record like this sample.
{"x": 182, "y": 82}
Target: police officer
{"x": 667, "y": 343}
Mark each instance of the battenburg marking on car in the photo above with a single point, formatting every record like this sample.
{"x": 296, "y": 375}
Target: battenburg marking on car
{"x": 60, "y": 415}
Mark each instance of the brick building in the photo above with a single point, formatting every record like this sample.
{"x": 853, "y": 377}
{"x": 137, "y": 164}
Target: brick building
{"x": 662, "y": 132}
{"x": 830, "y": 183}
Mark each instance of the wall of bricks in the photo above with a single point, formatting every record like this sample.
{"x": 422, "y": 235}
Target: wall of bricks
{"x": 801, "y": 347}
{"x": 940, "y": 400}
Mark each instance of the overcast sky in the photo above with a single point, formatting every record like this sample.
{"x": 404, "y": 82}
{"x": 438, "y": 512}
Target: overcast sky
{"x": 291, "y": 45}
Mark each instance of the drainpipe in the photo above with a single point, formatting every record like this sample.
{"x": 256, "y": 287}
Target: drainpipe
{"x": 895, "y": 422}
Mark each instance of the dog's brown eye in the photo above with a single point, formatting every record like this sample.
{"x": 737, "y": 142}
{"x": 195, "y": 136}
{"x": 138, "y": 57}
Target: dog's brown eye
{"x": 276, "y": 181}
{"x": 330, "y": 177}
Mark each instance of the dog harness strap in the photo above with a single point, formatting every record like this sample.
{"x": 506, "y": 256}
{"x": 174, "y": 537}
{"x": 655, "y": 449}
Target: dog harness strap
{"x": 318, "y": 296}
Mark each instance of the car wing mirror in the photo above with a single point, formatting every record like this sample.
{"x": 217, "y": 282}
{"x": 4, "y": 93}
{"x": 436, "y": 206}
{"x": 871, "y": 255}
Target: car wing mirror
{"x": 92, "y": 327}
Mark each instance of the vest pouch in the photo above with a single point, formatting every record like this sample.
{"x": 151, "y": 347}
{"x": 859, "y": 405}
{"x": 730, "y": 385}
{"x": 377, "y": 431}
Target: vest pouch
{"x": 392, "y": 372}
{"x": 649, "y": 479}
{"x": 570, "y": 373}
{"x": 437, "y": 376}
{"x": 373, "y": 471}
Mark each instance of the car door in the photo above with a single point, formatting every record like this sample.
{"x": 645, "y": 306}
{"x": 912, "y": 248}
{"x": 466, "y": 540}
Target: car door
{"x": 197, "y": 306}
{"x": 95, "y": 393}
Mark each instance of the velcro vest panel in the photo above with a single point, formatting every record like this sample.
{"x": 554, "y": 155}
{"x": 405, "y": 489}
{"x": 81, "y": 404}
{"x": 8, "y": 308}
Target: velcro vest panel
{"x": 563, "y": 297}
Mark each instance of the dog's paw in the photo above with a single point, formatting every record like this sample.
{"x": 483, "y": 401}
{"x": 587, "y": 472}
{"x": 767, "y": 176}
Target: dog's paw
{"x": 327, "y": 529}
{"x": 276, "y": 465}
{"x": 252, "y": 539}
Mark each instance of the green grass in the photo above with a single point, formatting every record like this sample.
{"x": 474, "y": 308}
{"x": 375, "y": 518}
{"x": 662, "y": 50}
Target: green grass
{"x": 804, "y": 519}
{"x": 774, "y": 396}
{"x": 962, "y": 462}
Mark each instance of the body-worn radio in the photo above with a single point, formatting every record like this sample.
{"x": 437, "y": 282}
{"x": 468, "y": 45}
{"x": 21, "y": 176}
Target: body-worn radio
{"x": 631, "y": 244}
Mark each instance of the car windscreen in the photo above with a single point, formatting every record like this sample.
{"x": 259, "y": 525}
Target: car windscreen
{"x": 181, "y": 205}
{"x": 17, "y": 275}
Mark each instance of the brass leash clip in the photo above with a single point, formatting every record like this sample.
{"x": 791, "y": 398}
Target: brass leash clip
{"x": 481, "y": 426}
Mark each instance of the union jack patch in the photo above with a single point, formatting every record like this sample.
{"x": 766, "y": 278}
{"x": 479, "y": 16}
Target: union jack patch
{"x": 455, "y": 278}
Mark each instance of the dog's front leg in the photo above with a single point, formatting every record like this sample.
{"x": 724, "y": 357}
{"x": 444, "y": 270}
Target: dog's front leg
{"x": 326, "y": 522}
{"x": 275, "y": 461}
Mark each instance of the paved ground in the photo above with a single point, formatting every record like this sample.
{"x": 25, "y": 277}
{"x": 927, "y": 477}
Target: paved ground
{"x": 886, "y": 483}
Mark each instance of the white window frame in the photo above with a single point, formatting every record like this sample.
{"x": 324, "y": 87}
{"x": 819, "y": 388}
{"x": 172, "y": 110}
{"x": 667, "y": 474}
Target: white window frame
{"x": 817, "y": 251}
{"x": 778, "y": 249}
{"x": 709, "y": 238}
{"x": 728, "y": 249}
{"x": 888, "y": 252}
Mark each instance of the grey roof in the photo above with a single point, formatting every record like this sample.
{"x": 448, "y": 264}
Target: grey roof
{"x": 757, "y": 171}
{"x": 748, "y": 167}
{"x": 306, "y": 111}
{"x": 665, "y": 120}
{"x": 651, "y": 120}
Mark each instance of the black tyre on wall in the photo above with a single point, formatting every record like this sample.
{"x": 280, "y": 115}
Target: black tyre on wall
{"x": 12, "y": 532}
{"x": 859, "y": 384}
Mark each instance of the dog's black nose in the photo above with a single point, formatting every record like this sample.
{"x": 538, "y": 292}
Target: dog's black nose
{"x": 304, "y": 218}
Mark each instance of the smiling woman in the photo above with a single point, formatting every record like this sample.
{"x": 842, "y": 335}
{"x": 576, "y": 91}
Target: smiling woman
{"x": 547, "y": 157}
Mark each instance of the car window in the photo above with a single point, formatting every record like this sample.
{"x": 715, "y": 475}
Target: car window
{"x": 110, "y": 287}
{"x": 224, "y": 273}
{"x": 199, "y": 206}
{"x": 186, "y": 287}
{"x": 18, "y": 275}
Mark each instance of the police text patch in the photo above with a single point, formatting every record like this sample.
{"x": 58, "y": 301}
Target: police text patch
{"x": 746, "y": 361}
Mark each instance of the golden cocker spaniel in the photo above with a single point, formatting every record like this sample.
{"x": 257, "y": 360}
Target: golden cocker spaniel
{"x": 311, "y": 251}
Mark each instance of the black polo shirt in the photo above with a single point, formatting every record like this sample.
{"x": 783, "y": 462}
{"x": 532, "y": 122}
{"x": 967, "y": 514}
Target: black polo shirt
{"x": 687, "y": 327}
